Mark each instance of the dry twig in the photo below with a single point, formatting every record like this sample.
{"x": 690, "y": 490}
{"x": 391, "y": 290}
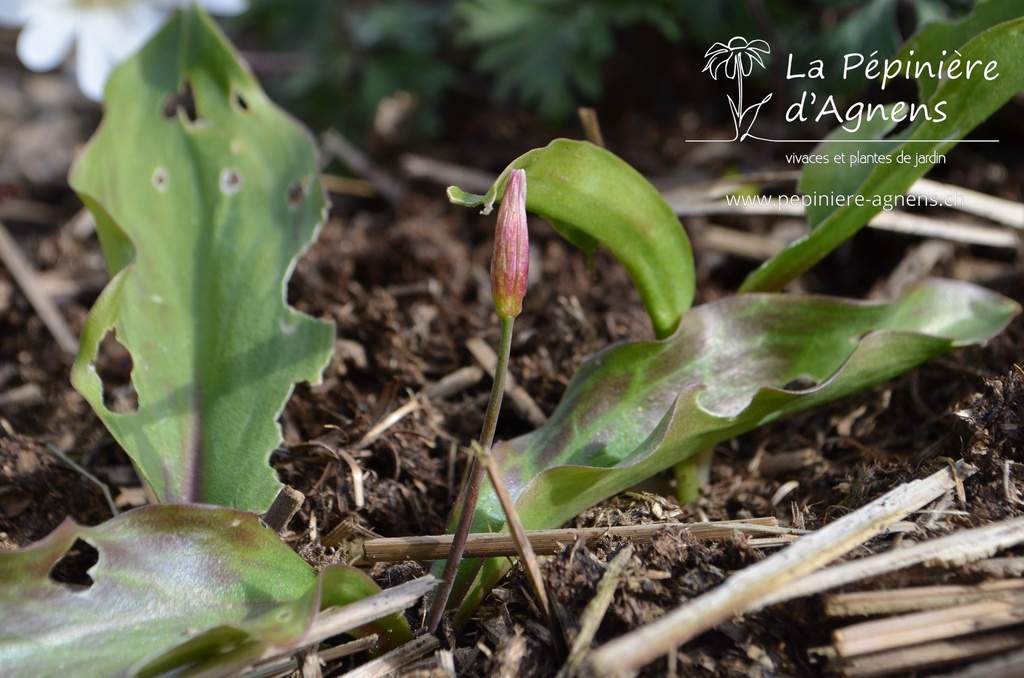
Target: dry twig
{"x": 917, "y": 598}
{"x": 335, "y": 621}
{"x": 591, "y": 125}
{"x": 879, "y": 635}
{"x": 954, "y": 549}
{"x": 913, "y": 659}
{"x": 285, "y": 666}
{"x": 548, "y": 542}
{"x": 334, "y": 144}
{"x": 25, "y": 275}
{"x": 523, "y": 548}
{"x": 895, "y": 221}
{"x": 397, "y": 659}
{"x": 748, "y": 589}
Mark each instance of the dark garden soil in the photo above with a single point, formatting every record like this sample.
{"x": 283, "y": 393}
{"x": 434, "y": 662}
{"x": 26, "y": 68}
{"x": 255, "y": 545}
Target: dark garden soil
{"x": 406, "y": 283}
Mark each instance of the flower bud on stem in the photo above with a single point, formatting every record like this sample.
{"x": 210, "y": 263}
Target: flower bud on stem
{"x": 510, "y": 265}
{"x": 509, "y": 272}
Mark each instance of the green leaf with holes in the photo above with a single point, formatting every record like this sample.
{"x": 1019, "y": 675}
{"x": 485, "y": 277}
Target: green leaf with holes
{"x": 205, "y": 194}
{"x": 172, "y": 587}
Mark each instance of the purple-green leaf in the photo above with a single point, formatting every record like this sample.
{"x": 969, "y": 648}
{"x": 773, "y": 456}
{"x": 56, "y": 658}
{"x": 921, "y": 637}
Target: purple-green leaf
{"x": 636, "y": 409}
{"x": 185, "y": 584}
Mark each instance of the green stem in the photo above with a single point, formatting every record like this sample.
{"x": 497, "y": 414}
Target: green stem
{"x": 471, "y": 491}
{"x": 691, "y": 473}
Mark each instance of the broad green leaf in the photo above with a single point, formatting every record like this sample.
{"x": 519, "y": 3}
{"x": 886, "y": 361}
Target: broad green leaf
{"x": 593, "y": 198}
{"x": 185, "y": 584}
{"x": 636, "y": 409}
{"x": 201, "y": 221}
{"x": 957, "y": 106}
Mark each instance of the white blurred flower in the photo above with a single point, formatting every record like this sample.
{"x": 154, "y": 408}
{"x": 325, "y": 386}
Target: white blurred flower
{"x": 106, "y": 32}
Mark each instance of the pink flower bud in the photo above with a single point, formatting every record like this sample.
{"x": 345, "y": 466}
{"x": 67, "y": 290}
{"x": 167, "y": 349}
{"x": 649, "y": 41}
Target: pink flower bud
{"x": 510, "y": 265}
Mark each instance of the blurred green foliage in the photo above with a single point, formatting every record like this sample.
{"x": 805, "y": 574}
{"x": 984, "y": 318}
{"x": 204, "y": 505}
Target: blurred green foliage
{"x": 340, "y": 58}
{"x": 357, "y": 53}
{"x": 545, "y": 53}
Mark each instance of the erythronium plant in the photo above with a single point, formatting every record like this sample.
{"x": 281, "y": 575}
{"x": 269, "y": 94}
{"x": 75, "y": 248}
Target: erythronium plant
{"x": 723, "y": 368}
{"x": 510, "y": 272}
{"x": 204, "y": 194}
{"x": 202, "y": 212}
{"x": 715, "y": 372}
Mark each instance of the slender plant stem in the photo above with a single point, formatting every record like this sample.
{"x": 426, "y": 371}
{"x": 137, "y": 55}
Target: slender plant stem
{"x": 498, "y": 388}
{"x": 471, "y": 492}
{"x": 691, "y": 473}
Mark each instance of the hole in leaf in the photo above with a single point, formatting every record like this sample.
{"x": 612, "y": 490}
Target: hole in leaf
{"x": 801, "y": 383}
{"x": 296, "y": 192}
{"x": 230, "y": 181}
{"x": 73, "y": 567}
{"x": 114, "y": 367}
{"x": 161, "y": 179}
{"x": 182, "y": 100}
{"x": 240, "y": 102}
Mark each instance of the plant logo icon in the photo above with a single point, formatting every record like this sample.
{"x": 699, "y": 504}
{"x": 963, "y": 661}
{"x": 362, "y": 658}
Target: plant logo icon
{"x": 735, "y": 60}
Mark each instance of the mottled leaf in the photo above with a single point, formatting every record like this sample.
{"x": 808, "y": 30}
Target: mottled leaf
{"x": 636, "y": 409}
{"x": 186, "y": 584}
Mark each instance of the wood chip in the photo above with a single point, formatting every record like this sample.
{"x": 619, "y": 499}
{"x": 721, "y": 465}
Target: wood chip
{"x": 285, "y": 505}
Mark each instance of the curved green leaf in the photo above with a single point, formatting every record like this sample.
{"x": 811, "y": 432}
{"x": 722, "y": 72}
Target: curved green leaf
{"x": 592, "y": 197}
{"x": 636, "y": 409}
{"x": 965, "y": 103}
{"x": 181, "y": 584}
{"x": 201, "y": 221}
{"x": 933, "y": 38}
